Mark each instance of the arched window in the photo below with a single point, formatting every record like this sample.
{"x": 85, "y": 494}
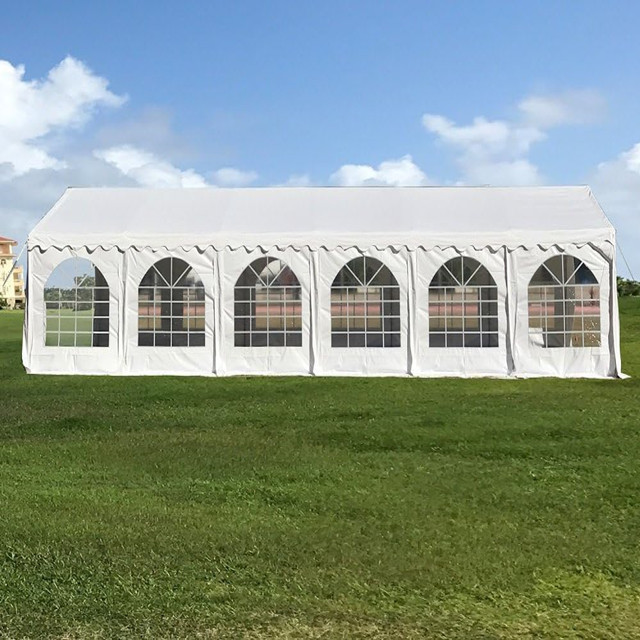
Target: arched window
{"x": 564, "y": 304}
{"x": 76, "y": 299}
{"x": 365, "y": 305}
{"x": 268, "y": 306}
{"x": 463, "y": 305}
{"x": 171, "y": 310}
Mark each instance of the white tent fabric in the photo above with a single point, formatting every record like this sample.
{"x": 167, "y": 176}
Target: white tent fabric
{"x": 413, "y": 231}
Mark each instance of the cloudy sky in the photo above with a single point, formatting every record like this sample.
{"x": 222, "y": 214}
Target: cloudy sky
{"x": 249, "y": 93}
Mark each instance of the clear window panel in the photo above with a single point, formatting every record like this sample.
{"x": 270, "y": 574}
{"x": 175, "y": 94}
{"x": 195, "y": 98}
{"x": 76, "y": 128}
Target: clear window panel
{"x": 490, "y": 325}
{"x": 472, "y": 339}
{"x": 339, "y": 323}
{"x": 145, "y": 323}
{"x": 67, "y": 340}
{"x": 564, "y": 308}
{"x": 591, "y": 339}
{"x": 293, "y": 322}
{"x": 145, "y": 339}
{"x": 242, "y": 309}
{"x": 577, "y": 340}
{"x": 276, "y": 339}
{"x": 76, "y": 298}
{"x": 84, "y": 339}
{"x": 455, "y": 339}
{"x": 53, "y": 324}
{"x": 489, "y": 339}
{"x": 242, "y": 339}
{"x": 375, "y": 339}
{"x": 471, "y": 323}
{"x": 591, "y": 323}
{"x": 392, "y": 340}
{"x": 100, "y": 339}
{"x": 364, "y": 297}
{"x": 51, "y": 339}
{"x": 267, "y": 301}
{"x": 196, "y": 340}
{"x": 259, "y": 339}
{"x": 293, "y": 339}
{"x": 357, "y": 340}
{"x": 162, "y": 339}
{"x": 339, "y": 340}
{"x": 462, "y": 298}
{"x": 178, "y": 324}
{"x": 171, "y": 309}
{"x": 437, "y": 339}
{"x": 242, "y": 325}
{"x": 179, "y": 339}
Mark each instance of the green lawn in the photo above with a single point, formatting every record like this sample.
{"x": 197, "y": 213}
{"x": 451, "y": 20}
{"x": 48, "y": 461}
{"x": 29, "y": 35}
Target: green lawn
{"x": 319, "y": 508}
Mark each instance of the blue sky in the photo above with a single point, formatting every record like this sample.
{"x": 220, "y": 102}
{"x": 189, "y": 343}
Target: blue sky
{"x": 260, "y": 93}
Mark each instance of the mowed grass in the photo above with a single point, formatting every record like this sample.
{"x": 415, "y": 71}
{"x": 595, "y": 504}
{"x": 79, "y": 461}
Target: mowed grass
{"x": 319, "y": 508}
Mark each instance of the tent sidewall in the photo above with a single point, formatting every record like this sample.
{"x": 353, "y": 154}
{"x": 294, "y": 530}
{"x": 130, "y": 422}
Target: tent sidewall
{"x": 453, "y": 360}
{"x": 330, "y": 360}
{"x": 511, "y": 270}
{"x": 234, "y": 360}
{"x": 140, "y": 360}
{"x": 62, "y": 360}
{"x": 534, "y": 360}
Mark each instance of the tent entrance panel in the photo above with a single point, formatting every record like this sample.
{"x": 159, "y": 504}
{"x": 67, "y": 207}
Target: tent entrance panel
{"x": 461, "y": 321}
{"x": 73, "y": 311}
{"x": 563, "y": 311}
{"x": 362, "y": 312}
{"x": 265, "y": 312}
{"x": 169, "y": 312}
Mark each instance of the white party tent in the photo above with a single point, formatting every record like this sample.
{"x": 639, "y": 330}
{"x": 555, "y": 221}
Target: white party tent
{"x": 417, "y": 281}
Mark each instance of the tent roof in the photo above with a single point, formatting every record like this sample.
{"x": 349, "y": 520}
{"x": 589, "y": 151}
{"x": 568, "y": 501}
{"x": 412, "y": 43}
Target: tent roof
{"x": 323, "y": 216}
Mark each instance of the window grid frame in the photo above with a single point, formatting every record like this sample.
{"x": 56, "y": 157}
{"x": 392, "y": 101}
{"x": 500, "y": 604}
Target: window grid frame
{"x": 389, "y": 337}
{"x": 73, "y": 306}
{"x": 251, "y": 337}
{"x": 567, "y": 337}
{"x": 487, "y": 338}
{"x": 193, "y": 296}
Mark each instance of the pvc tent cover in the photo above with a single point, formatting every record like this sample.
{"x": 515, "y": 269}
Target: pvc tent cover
{"x": 323, "y": 217}
{"x": 566, "y": 325}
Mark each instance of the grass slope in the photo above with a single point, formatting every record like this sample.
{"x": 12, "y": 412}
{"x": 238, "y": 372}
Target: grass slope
{"x": 301, "y": 507}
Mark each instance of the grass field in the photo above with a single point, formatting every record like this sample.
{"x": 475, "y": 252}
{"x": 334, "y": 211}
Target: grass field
{"x": 319, "y": 508}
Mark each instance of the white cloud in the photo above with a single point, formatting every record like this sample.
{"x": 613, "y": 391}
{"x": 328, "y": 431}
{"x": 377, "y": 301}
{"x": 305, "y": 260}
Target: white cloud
{"x": 30, "y": 110}
{"x": 631, "y": 159}
{"x": 149, "y": 128}
{"x": 147, "y": 169}
{"x": 616, "y": 184}
{"x": 571, "y": 107}
{"x": 489, "y": 151}
{"x": 230, "y": 177}
{"x": 26, "y": 198}
{"x": 398, "y": 173}
{"x": 298, "y": 180}
{"x": 516, "y": 173}
{"x": 495, "y": 151}
{"x": 484, "y": 137}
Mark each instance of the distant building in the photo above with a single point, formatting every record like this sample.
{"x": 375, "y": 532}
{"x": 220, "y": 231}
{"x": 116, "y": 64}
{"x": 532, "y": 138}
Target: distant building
{"x": 13, "y": 290}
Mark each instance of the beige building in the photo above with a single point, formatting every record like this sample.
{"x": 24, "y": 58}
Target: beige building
{"x": 13, "y": 290}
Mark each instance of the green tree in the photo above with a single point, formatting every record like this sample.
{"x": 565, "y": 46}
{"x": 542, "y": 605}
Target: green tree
{"x": 628, "y": 287}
